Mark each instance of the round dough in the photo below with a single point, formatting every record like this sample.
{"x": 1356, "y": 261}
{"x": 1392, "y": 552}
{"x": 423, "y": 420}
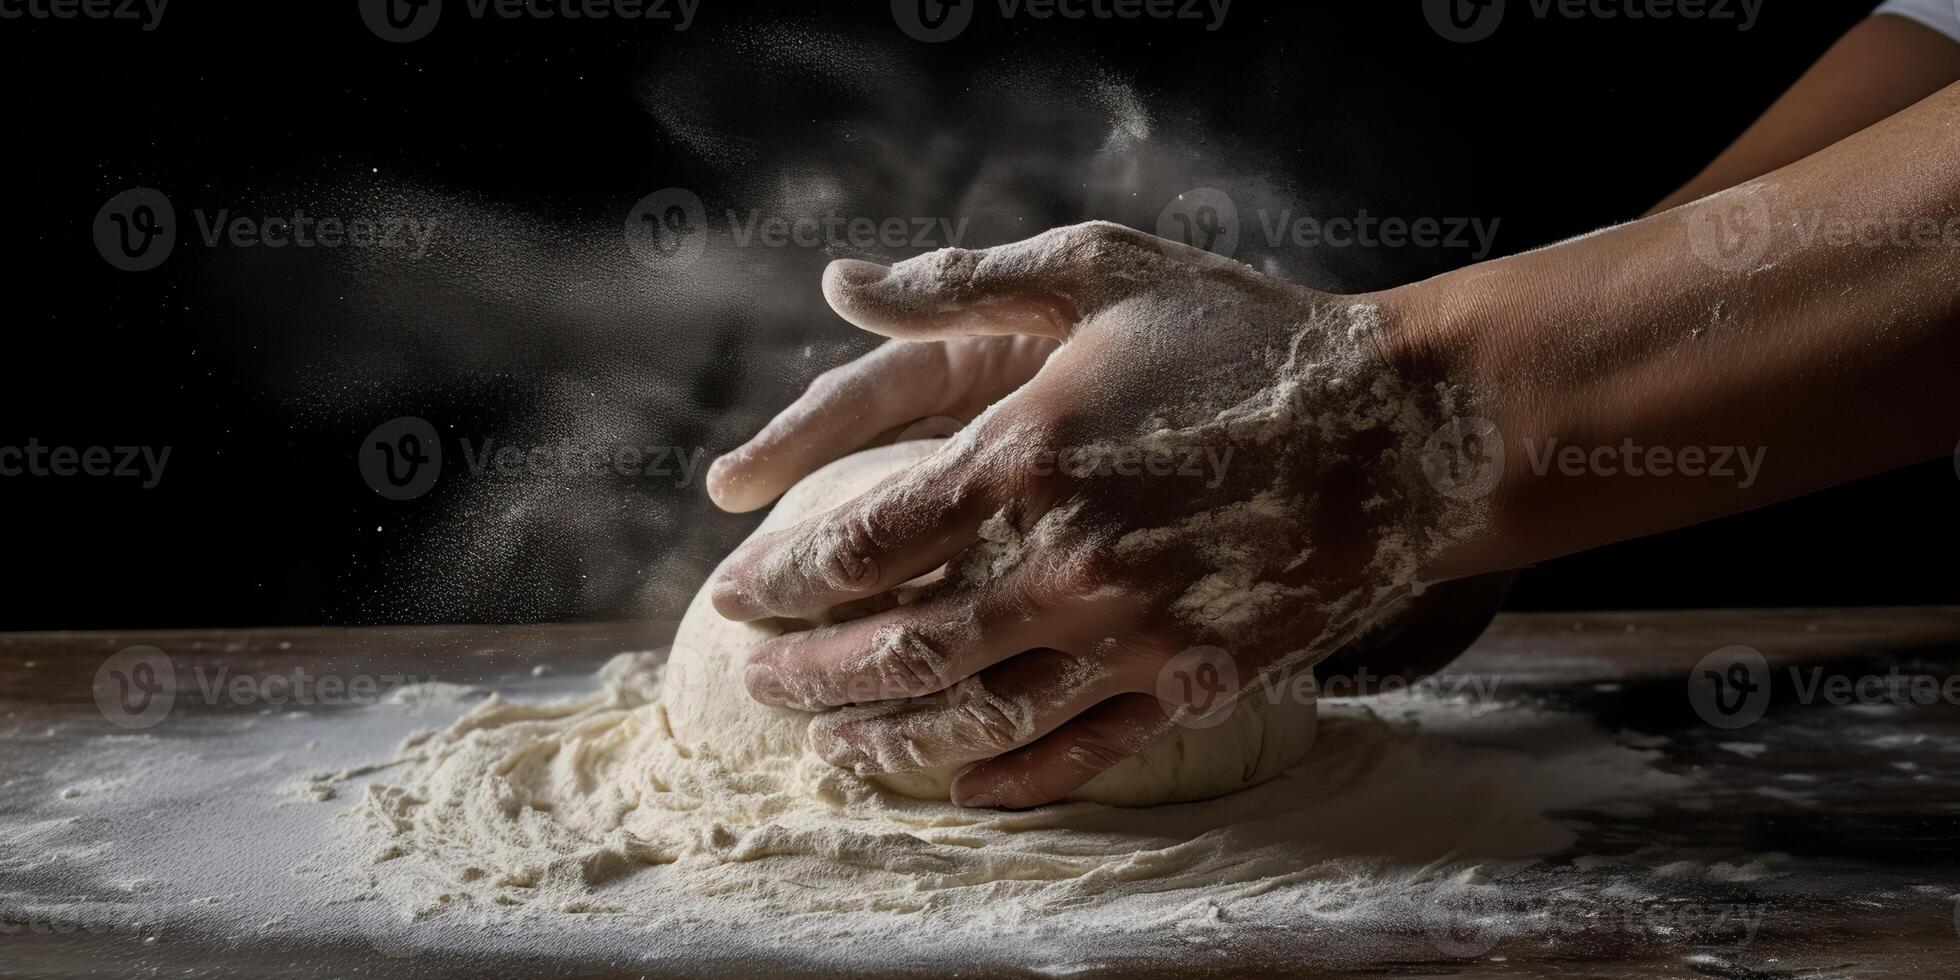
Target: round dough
{"x": 713, "y": 717}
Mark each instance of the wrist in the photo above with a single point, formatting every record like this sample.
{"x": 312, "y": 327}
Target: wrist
{"x": 1448, "y": 339}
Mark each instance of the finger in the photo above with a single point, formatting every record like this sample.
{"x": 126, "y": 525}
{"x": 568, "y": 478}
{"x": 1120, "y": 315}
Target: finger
{"x": 1005, "y": 708}
{"x": 898, "y": 530}
{"x": 1043, "y": 285}
{"x": 1068, "y": 757}
{"x": 898, "y": 385}
{"x": 912, "y": 650}
{"x": 931, "y": 644}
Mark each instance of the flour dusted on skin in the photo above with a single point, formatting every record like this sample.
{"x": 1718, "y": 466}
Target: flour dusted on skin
{"x": 1331, "y": 385}
{"x": 1232, "y": 596}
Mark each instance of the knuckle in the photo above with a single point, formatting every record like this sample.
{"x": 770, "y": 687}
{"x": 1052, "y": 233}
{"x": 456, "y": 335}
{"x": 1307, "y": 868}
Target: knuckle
{"x": 989, "y": 724}
{"x": 845, "y": 553}
{"x": 832, "y": 739}
{"x": 1095, "y": 749}
{"x": 1095, "y": 233}
{"x": 1135, "y": 658}
{"x": 1039, "y": 590}
{"x": 1096, "y": 242}
{"x": 906, "y": 664}
{"x": 1077, "y": 575}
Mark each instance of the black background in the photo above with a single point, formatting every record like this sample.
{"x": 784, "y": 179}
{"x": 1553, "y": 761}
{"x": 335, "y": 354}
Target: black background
{"x": 263, "y": 372}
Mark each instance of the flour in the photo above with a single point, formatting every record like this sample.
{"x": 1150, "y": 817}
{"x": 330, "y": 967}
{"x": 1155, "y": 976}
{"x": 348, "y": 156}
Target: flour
{"x": 589, "y": 808}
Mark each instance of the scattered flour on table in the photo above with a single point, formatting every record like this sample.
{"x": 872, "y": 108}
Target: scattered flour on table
{"x": 589, "y": 808}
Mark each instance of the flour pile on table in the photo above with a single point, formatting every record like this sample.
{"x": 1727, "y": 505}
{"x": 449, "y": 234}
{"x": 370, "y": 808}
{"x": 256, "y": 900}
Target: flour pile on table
{"x": 589, "y": 808}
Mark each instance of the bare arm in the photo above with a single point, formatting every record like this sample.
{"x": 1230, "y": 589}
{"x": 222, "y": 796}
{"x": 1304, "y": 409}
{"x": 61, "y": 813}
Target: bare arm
{"x": 1810, "y": 317}
{"x": 1881, "y": 66}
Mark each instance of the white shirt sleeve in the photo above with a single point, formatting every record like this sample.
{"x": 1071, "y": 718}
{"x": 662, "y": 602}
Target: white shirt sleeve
{"x": 1940, "y": 15}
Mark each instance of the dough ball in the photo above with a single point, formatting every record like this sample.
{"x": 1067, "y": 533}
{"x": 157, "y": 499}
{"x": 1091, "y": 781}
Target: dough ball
{"x": 713, "y": 717}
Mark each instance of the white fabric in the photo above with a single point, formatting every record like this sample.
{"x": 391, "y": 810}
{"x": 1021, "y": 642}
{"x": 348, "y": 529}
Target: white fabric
{"x": 1940, "y": 15}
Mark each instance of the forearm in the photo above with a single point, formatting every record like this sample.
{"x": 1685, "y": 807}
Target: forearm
{"x": 1826, "y": 357}
{"x": 1881, "y": 66}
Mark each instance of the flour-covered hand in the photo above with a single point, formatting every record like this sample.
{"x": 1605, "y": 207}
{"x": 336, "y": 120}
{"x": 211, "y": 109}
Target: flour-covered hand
{"x": 1211, "y": 481}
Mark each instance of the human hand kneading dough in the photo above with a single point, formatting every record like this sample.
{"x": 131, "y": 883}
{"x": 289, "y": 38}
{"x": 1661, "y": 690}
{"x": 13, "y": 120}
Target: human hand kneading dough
{"x": 1608, "y": 376}
{"x": 1175, "y": 437}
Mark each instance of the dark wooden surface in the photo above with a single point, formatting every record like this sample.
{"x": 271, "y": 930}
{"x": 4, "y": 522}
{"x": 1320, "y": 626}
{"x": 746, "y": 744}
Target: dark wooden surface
{"x": 1871, "y": 846}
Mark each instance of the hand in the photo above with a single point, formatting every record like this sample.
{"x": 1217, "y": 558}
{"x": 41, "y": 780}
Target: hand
{"x": 1209, "y": 459}
{"x": 903, "y": 388}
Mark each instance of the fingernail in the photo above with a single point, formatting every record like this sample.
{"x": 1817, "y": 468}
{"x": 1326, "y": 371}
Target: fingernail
{"x": 843, "y": 278}
{"x": 855, "y": 273}
{"x": 718, "y": 475}
{"x": 727, "y": 485}
{"x": 980, "y": 800}
{"x": 763, "y": 684}
{"x": 831, "y": 745}
{"x": 727, "y": 598}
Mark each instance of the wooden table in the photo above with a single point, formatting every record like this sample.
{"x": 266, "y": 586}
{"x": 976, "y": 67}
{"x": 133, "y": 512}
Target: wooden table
{"x": 1874, "y": 850}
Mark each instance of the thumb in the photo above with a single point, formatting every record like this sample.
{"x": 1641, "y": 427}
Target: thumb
{"x": 1043, "y": 285}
